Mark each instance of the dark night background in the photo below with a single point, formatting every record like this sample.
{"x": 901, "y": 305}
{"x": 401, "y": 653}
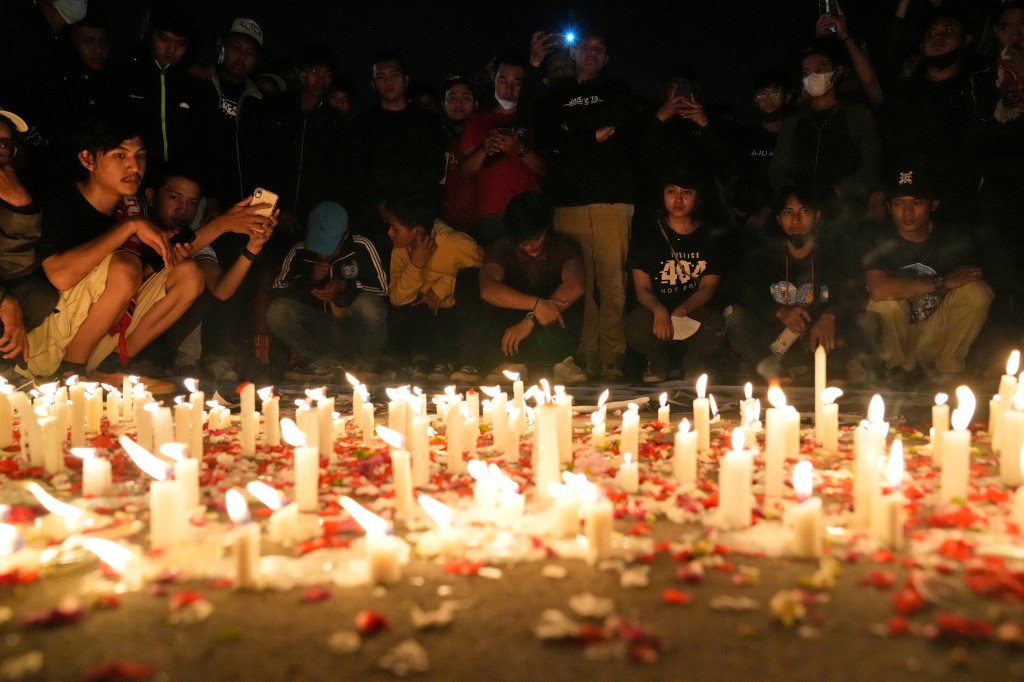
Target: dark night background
{"x": 728, "y": 41}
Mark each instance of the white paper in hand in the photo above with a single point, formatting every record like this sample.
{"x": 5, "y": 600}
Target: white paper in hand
{"x": 684, "y": 327}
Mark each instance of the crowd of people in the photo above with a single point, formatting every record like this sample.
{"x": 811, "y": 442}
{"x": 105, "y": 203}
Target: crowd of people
{"x": 165, "y": 217}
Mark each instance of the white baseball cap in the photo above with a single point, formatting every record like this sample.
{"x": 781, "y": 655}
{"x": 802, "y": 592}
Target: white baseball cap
{"x": 18, "y": 121}
{"x": 247, "y": 27}
{"x": 71, "y": 11}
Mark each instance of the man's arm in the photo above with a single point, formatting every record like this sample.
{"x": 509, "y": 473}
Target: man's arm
{"x": 884, "y": 287}
{"x": 705, "y": 292}
{"x": 68, "y": 268}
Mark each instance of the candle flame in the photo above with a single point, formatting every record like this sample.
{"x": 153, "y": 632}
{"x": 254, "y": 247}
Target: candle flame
{"x": 803, "y": 479}
{"x": 370, "y": 522}
{"x": 51, "y": 503}
{"x": 663, "y": 399}
{"x": 84, "y": 453}
{"x": 352, "y": 380}
{"x": 597, "y": 417}
{"x": 776, "y": 397}
{"x": 238, "y": 508}
{"x": 144, "y": 459}
{"x": 395, "y": 393}
{"x": 391, "y": 437}
{"x": 894, "y": 467}
{"x": 71, "y": 380}
{"x": 113, "y": 554}
{"x": 179, "y": 400}
{"x": 272, "y": 497}
{"x": 702, "y": 385}
{"x": 557, "y": 490}
{"x": 876, "y": 409}
{"x": 265, "y": 393}
{"x": 627, "y": 458}
{"x": 712, "y": 406}
{"x": 511, "y": 376}
{"x": 1013, "y": 363}
{"x": 505, "y": 484}
{"x": 292, "y": 434}
{"x": 439, "y": 512}
{"x": 579, "y": 484}
{"x": 603, "y": 399}
{"x": 192, "y": 385}
{"x": 684, "y": 425}
{"x": 174, "y": 451}
{"x": 316, "y": 393}
{"x": 477, "y": 469}
{"x": 962, "y": 415}
{"x": 831, "y": 394}
{"x": 1017, "y": 401}
{"x": 48, "y": 389}
{"x": 748, "y": 390}
{"x": 490, "y": 391}
{"x": 737, "y": 439}
{"x": 941, "y": 398}
{"x": 633, "y": 407}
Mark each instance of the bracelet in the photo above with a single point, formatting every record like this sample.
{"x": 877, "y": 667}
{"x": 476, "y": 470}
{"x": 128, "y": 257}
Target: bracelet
{"x": 535, "y": 304}
{"x": 248, "y": 255}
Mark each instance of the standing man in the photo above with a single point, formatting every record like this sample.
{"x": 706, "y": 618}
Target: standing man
{"x": 585, "y": 131}
{"x": 396, "y": 149}
{"x": 925, "y": 285}
{"x": 499, "y": 153}
{"x": 459, "y": 192}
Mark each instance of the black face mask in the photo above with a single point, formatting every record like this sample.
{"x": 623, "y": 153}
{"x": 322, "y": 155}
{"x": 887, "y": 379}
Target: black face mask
{"x": 944, "y": 61}
{"x": 776, "y": 115}
{"x": 797, "y": 241}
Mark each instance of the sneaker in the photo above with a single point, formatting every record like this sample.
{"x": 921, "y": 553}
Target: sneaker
{"x": 610, "y": 374}
{"x": 568, "y": 373}
{"x": 222, "y": 369}
{"x": 441, "y": 373}
{"x": 309, "y": 373}
{"x": 497, "y": 375}
{"x": 653, "y": 376}
{"x": 467, "y": 374}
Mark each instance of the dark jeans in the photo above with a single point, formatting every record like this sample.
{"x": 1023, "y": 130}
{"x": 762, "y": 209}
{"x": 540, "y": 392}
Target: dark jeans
{"x": 161, "y": 351}
{"x": 312, "y": 333}
{"x": 697, "y": 351}
{"x": 544, "y": 346}
{"x": 37, "y": 298}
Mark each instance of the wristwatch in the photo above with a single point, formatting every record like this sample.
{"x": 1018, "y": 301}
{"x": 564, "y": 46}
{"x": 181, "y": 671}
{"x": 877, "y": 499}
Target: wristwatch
{"x": 523, "y": 152}
{"x": 938, "y": 283}
{"x": 530, "y": 315}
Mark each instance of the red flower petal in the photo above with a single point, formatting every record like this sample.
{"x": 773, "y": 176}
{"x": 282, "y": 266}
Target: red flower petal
{"x": 371, "y": 622}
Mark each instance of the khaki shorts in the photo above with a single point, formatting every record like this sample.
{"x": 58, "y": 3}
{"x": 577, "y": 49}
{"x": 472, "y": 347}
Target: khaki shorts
{"x": 49, "y": 341}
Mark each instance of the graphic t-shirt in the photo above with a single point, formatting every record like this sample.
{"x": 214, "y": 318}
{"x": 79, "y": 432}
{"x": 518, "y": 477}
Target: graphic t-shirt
{"x": 674, "y": 262}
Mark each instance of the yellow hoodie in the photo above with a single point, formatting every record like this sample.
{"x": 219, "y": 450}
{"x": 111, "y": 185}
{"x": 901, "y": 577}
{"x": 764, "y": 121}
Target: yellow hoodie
{"x": 455, "y": 251}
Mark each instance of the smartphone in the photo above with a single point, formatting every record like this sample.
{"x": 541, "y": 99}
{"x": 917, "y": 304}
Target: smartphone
{"x": 185, "y": 235}
{"x": 264, "y": 196}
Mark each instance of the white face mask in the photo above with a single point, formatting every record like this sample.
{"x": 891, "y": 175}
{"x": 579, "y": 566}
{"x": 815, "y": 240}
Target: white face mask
{"x": 506, "y": 104}
{"x": 817, "y": 84}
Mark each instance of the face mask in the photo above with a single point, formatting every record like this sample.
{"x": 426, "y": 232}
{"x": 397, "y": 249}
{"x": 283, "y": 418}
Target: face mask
{"x": 506, "y": 104}
{"x": 944, "y": 61}
{"x": 817, "y": 84}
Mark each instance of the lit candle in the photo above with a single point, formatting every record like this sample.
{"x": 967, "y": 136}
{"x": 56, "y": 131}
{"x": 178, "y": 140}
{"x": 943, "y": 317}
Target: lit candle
{"x": 401, "y": 470}
{"x": 247, "y": 398}
{"x": 454, "y": 436}
{"x": 1018, "y": 501}
{"x": 515, "y": 433}
{"x": 868, "y": 446}
{"x": 828, "y": 421}
{"x": 247, "y": 542}
{"x": 325, "y": 420}
{"x": 306, "y": 467}
{"x": 308, "y": 423}
{"x": 271, "y": 406}
{"x": 664, "y": 416}
{"x": 77, "y": 394}
{"x": 283, "y": 527}
{"x": 397, "y": 407}
{"x": 6, "y": 422}
{"x": 96, "y": 474}
{"x": 628, "y": 475}
{"x": 598, "y": 524}
{"x": 382, "y": 549}
{"x": 186, "y": 472}
{"x": 888, "y": 516}
{"x": 73, "y": 519}
{"x": 113, "y": 405}
{"x": 563, "y": 407}
{"x": 629, "y": 439}
{"x": 127, "y": 396}
{"x": 735, "y": 498}
{"x": 485, "y": 488}
{"x": 447, "y": 542}
{"x": 21, "y": 404}
{"x": 597, "y": 428}
{"x": 805, "y": 519}
{"x": 940, "y": 424}
{"x": 819, "y": 389}
{"x": 956, "y": 449}
{"x": 50, "y": 437}
{"x": 774, "y": 443}
{"x": 472, "y": 414}
{"x": 367, "y": 423}
{"x": 684, "y": 457}
{"x": 518, "y": 400}
{"x": 182, "y": 421}
{"x": 1008, "y": 383}
{"x": 566, "y": 511}
{"x": 197, "y": 399}
{"x": 546, "y": 463}
{"x": 93, "y": 407}
{"x": 702, "y": 415}
{"x": 499, "y": 418}
{"x": 167, "y": 512}
{"x": 162, "y": 423}
{"x": 1011, "y": 438}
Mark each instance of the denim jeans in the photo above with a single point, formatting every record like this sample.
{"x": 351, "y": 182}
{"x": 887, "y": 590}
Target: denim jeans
{"x": 312, "y": 333}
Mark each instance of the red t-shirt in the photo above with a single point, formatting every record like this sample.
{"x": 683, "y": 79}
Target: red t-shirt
{"x": 506, "y": 176}
{"x": 459, "y": 193}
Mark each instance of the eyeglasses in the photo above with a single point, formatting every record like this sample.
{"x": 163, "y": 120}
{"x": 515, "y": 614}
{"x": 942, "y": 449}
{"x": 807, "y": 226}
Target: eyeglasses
{"x": 8, "y": 149}
{"x": 768, "y": 94}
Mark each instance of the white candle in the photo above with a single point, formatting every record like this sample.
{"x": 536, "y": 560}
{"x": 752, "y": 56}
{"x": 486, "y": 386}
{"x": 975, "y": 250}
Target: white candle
{"x": 96, "y": 472}
{"x": 308, "y": 422}
{"x": 828, "y": 422}
{"x": 401, "y": 470}
{"x": 806, "y": 519}
{"x": 76, "y": 392}
{"x": 515, "y": 432}
{"x": 325, "y": 423}
{"x": 419, "y": 446}
{"x": 775, "y": 443}
{"x": 888, "y": 516}
{"x": 53, "y": 459}
{"x": 1011, "y": 438}
{"x": 1008, "y": 384}
{"x": 6, "y": 422}
{"x": 367, "y": 423}
{"x": 684, "y": 456}
{"x": 629, "y": 437}
{"x": 868, "y": 446}
{"x": 499, "y": 421}
{"x": 197, "y": 399}
{"x": 563, "y": 407}
{"x": 702, "y": 415}
{"x": 186, "y": 471}
{"x": 664, "y": 415}
{"x": 167, "y": 513}
{"x": 820, "y": 378}
{"x": 485, "y": 486}
{"x": 566, "y": 511}
{"x": 940, "y": 424}
{"x": 182, "y": 423}
{"x": 27, "y": 425}
{"x": 247, "y": 398}
{"x": 454, "y": 436}
{"x": 113, "y": 407}
{"x": 127, "y": 403}
{"x": 382, "y": 549}
{"x": 735, "y": 498}
{"x": 397, "y": 408}
{"x": 628, "y": 475}
{"x": 272, "y": 419}
{"x": 956, "y": 448}
{"x": 93, "y": 409}
{"x": 995, "y": 409}
{"x": 598, "y": 523}
{"x": 163, "y": 425}
{"x": 546, "y": 462}
{"x": 247, "y": 542}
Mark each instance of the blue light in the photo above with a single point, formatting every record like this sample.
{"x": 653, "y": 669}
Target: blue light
{"x": 570, "y": 37}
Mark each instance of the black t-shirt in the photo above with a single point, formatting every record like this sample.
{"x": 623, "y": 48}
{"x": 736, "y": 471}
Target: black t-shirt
{"x": 69, "y": 221}
{"x": 538, "y": 276}
{"x": 674, "y": 262}
{"x": 944, "y": 251}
